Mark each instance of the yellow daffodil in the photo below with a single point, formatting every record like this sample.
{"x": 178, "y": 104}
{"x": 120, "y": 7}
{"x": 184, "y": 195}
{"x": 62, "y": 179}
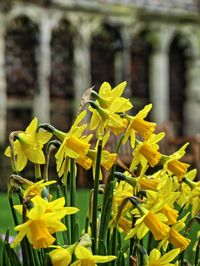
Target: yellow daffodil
{"x": 178, "y": 168}
{"x": 147, "y": 152}
{"x": 43, "y": 220}
{"x": 157, "y": 228}
{"x": 107, "y": 118}
{"x": 178, "y": 240}
{"x": 173, "y": 165}
{"x": 174, "y": 237}
{"x": 35, "y": 189}
{"x": 122, "y": 192}
{"x": 105, "y": 110}
{"x": 73, "y": 144}
{"x": 155, "y": 222}
{"x": 137, "y": 124}
{"x": 148, "y": 184}
{"x": 156, "y": 259}
{"x": 61, "y": 256}
{"x": 107, "y": 158}
{"x": 170, "y": 213}
{"x": 162, "y": 200}
{"x": 28, "y": 146}
{"x": 85, "y": 257}
{"x": 190, "y": 193}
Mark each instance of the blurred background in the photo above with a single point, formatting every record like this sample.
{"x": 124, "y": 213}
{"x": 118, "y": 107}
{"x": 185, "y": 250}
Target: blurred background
{"x": 51, "y": 51}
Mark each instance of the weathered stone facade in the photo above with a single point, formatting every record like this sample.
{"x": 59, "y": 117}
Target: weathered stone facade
{"x": 51, "y": 51}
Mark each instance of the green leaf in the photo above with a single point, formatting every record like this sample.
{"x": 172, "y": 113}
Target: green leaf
{"x": 121, "y": 260}
{"x": 13, "y": 257}
{"x": 102, "y": 248}
{"x": 47, "y": 260}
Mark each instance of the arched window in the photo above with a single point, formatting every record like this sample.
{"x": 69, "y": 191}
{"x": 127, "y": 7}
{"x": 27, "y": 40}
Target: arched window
{"x": 61, "y": 79}
{"x": 104, "y": 47}
{"x": 21, "y": 71}
{"x": 177, "y": 61}
{"x": 140, "y": 54}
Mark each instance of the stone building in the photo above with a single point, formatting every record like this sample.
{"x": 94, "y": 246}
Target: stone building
{"x": 52, "y": 50}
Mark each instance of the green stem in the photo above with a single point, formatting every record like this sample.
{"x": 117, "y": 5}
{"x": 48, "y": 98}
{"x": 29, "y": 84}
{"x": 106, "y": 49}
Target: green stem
{"x": 13, "y": 210}
{"x": 12, "y": 137}
{"x": 36, "y": 257}
{"x": 47, "y": 127}
{"x": 38, "y": 175}
{"x": 95, "y": 197}
{"x": 73, "y": 199}
{"x": 66, "y": 218}
{"x": 196, "y": 263}
{"x": 107, "y": 203}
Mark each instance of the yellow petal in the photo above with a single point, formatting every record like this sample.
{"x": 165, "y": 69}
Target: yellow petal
{"x": 7, "y": 152}
{"x": 154, "y": 255}
{"x": 43, "y": 137}
{"x": 144, "y": 112}
{"x": 118, "y": 90}
{"x": 103, "y": 259}
{"x": 82, "y": 252}
{"x": 32, "y": 127}
{"x": 35, "y": 155}
{"x": 21, "y": 161}
{"x": 19, "y": 237}
{"x": 169, "y": 256}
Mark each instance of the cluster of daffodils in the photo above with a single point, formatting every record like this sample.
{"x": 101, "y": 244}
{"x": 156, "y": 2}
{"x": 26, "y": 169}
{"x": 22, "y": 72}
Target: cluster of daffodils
{"x": 147, "y": 208}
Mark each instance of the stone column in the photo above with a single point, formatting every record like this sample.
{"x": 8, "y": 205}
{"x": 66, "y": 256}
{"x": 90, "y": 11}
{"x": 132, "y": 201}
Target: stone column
{"x": 127, "y": 37}
{"x": 3, "y": 96}
{"x": 159, "y": 76}
{"x": 82, "y": 71}
{"x": 41, "y": 105}
{"x": 192, "y": 104}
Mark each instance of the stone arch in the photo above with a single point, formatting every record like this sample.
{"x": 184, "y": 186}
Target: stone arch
{"x": 106, "y": 42}
{"x": 33, "y": 14}
{"x": 62, "y": 72}
{"x": 140, "y": 51}
{"x": 21, "y": 43}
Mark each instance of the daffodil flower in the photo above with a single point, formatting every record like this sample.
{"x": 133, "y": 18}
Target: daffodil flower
{"x": 152, "y": 214}
{"x": 190, "y": 195}
{"x": 61, "y": 256}
{"x": 122, "y": 191}
{"x": 43, "y": 220}
{"x": 85, "y": 257}
{"x": 149, "y": 221}
{"x": 174, "y": 237}
{"x": 28, "y": 146}
{"x": 105, "y": 110}
{"x": 173, "y": 165}
{"x": 35, "y": 189}
{"x": 137, "y": 124}
{"x": 156, "y": 259}
{"x": 107, "y": 95}
{"x": 146, "y": 152}
{"x": 74, "y": 145}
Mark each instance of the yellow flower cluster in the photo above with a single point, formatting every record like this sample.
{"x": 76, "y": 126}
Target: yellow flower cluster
{"x": 147, "y": 198}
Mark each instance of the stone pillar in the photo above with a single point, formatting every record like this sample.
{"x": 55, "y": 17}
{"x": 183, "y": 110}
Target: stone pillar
{"x": 159, "y": 76}
{"x": 82, "y": 71}
{"x": 127, "y": 37}
{"x": 3, "y": 96}
{"x": 192, "y": 104}
{"x": 41, "y": 105}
